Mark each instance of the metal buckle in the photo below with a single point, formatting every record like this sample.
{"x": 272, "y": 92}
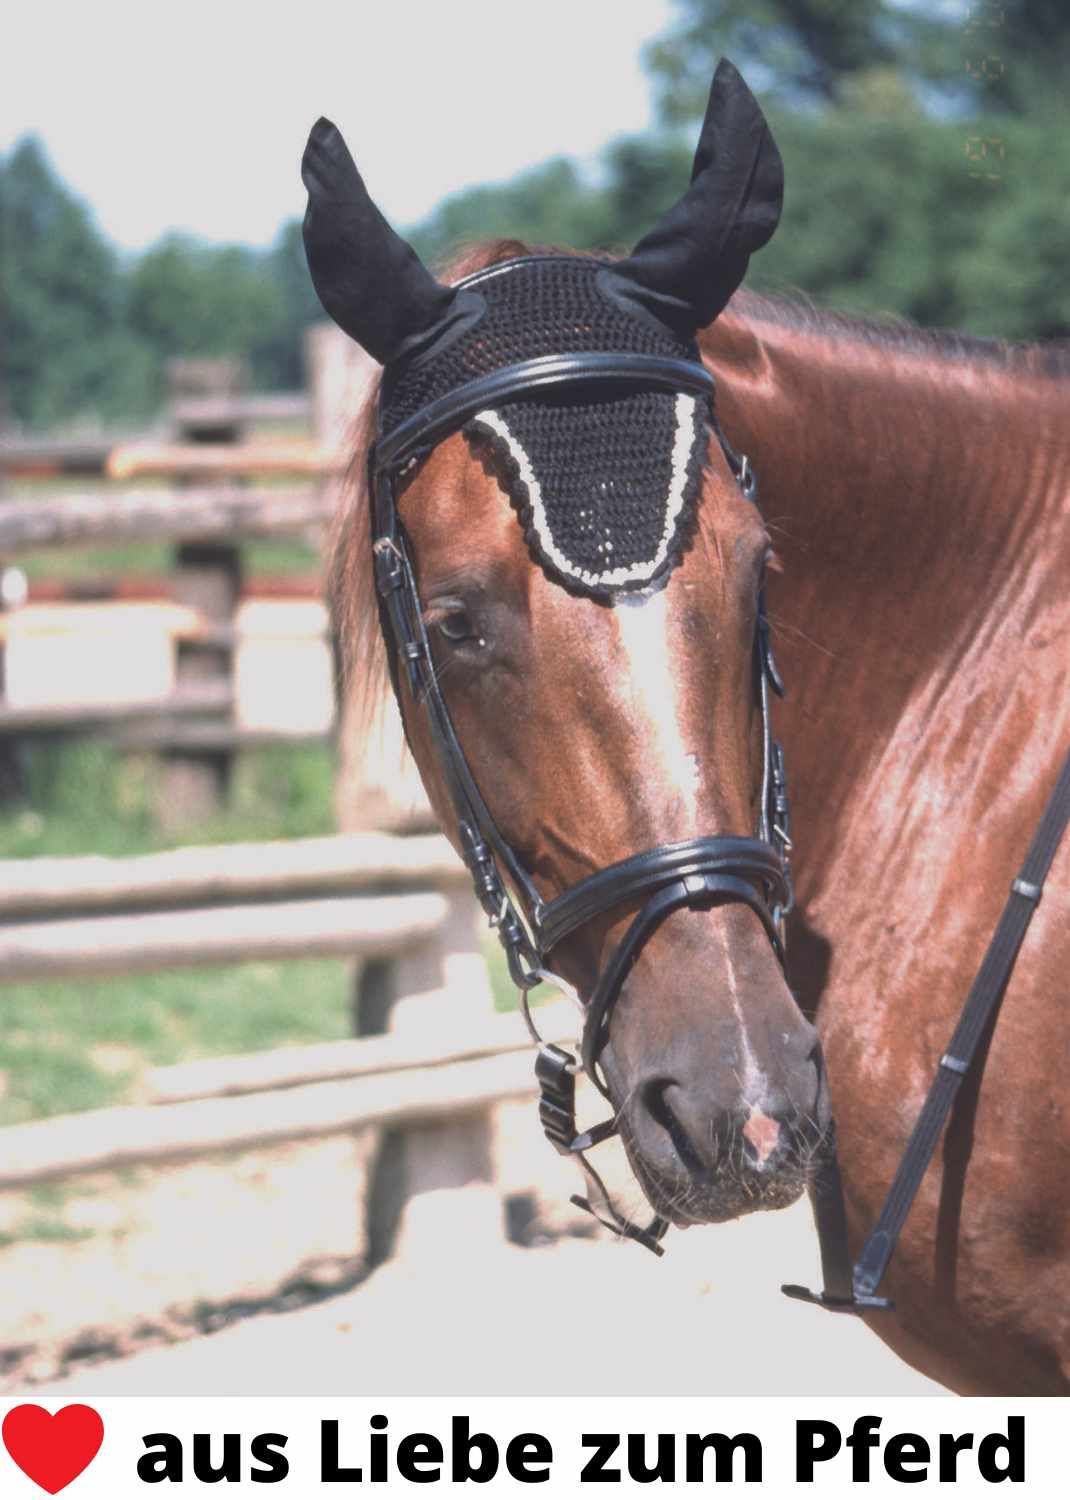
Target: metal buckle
{"x": 481, "y": 867}
{"x": 388, "y": 564}
{"x": 746, "y": 478}
{"x": 556, "y": 1072}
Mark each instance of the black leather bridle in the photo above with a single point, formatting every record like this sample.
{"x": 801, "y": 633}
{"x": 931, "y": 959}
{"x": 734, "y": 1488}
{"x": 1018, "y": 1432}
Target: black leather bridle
{"x": 695, "y": 873}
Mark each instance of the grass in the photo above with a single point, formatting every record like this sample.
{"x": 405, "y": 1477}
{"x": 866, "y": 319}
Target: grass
{"x": 84, "y": 797}
{"x": 72, "y": 1046}
{"x": 270, "y": 555}
{"x": 67, "y": 1046}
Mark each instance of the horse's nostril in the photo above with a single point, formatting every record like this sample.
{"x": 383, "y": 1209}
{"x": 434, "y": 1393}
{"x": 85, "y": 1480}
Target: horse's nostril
{"x": 703, "y": 1139}
{"x": 657, "y": 1096}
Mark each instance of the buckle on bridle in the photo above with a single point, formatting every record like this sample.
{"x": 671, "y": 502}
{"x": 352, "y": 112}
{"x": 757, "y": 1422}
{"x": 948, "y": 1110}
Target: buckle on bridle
{"x": 388, "y": 566}
{"x": 485, "y": 878}
{"x": 556, "y": 1070}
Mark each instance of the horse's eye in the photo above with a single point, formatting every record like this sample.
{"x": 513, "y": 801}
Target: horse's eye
{"x": 459, "y": 628}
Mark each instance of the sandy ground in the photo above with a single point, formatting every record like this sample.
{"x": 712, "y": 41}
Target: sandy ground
{"x": 459, "y": 1312}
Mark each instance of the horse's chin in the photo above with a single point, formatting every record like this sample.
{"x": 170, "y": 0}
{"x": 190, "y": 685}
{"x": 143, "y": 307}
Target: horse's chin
{"x": 729, "y": 1193}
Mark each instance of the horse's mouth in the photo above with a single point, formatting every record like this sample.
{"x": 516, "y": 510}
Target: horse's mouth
{"x": 691, "y": 1203}
{"x": 698, "y": 1195}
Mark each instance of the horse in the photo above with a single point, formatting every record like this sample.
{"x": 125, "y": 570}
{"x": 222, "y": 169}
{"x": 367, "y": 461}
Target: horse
{"x": 912, "y": 538}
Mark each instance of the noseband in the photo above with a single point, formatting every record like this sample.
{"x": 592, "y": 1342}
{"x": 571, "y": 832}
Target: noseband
{"x": 696, "y": 873}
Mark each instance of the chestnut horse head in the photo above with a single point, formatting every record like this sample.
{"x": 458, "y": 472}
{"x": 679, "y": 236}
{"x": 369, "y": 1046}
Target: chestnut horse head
{"x": 589, "y": 685}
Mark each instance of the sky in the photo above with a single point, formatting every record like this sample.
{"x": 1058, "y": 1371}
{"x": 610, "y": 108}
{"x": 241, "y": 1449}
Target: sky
{"x": 193, "y": 116}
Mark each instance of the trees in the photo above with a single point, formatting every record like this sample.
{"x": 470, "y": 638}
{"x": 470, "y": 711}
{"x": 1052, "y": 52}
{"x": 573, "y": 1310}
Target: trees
{"x": 918, "y": 142}
{"x": 87, "y": 331}
{"x": 187, "y": 298}
{"x": 924, "y": 169}
{"x": 67, "y": 349}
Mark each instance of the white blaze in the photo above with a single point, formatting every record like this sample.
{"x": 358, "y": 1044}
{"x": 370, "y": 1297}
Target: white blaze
{"x": 643, "y": 624}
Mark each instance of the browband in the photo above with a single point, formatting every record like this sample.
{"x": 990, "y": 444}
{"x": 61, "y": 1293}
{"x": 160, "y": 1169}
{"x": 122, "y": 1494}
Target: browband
{"x": 530, "y": 377}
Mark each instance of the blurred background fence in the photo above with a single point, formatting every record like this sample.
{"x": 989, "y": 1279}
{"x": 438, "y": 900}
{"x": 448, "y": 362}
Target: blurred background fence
{"x": 179, "y": 677}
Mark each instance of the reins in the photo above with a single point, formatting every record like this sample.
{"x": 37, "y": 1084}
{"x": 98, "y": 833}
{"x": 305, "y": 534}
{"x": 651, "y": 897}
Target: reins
{"x": 854, "y": 1288}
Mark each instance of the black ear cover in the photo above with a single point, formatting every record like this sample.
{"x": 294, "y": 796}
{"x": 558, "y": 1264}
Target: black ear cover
{"x": 688, "y": 266}
{"x": 370, "y": 280}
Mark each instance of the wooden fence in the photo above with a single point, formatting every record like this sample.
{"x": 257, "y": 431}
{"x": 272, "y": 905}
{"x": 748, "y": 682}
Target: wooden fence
{"x": 94, "y": 917}
{"x": 401, "y": 904}
{"x": 300, "y": 1094}
{"x": 224, "y": 487}
{"x": 369, "y": 895}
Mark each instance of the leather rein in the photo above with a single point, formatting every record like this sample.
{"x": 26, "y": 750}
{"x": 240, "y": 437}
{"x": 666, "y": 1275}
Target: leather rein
{"x": 696, "y": 873}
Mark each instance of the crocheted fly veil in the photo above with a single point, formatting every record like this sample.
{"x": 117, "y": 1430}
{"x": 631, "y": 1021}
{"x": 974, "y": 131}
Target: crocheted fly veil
{"x": 604, "y": 480}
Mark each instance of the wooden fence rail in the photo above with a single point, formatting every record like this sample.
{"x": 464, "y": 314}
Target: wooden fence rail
{"x": 221, "y": 512}
{"x": 363, "y": 895}
{"x": 46, "y": 458}
{"x": 322, "y": 1062}
{"x": 391, "y": 1090}
{"x": 98, "y": 947}
{"x": 150, "y": 460}
{"x": 81, "y": 718}
{"x": 201, "y": 876}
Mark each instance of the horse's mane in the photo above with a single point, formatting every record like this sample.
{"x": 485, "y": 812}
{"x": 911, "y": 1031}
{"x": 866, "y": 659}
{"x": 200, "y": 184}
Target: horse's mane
{"x": 351, "y": 584}
{"x": 900, "y": 335}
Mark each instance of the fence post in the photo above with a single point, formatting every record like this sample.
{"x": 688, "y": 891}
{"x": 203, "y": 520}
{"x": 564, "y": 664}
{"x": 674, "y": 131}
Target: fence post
{"x": 207, "y": 578}
{"x": 12, "y": 590}
{"x": 434, "y": 1180}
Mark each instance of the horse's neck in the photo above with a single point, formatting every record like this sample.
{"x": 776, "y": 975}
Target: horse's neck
{"x": 917, "y": 503}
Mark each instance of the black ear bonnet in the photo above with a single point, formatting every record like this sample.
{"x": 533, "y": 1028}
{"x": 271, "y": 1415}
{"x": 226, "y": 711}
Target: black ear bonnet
{"x": 603, "y": 480}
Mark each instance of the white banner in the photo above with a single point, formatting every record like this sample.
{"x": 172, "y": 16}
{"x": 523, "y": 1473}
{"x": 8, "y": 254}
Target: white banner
{"x": 125, "y": 1446}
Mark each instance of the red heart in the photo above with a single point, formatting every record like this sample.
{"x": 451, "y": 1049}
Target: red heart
{"x": 52, "y": 1447}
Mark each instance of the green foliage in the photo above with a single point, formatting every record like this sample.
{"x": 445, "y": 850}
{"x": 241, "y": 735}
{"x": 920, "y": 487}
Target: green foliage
{"x": 887, "y": 222}
{"x": 278, "y": 359}
{"x": 71, "y": 1045}
{"x": 67, "y": 350}
{"x": 187, "y": 298}
{"x": 917, "y": 142}
{"x": 85, "y": 797}
{"x": 550, "y": 204}
{"x": 803, "y": 48}
{"x": 977, "y": 56}
{"x": 923, "y": 179}
{"x": 86, "y": 333}
{"x": 191, "y": 299}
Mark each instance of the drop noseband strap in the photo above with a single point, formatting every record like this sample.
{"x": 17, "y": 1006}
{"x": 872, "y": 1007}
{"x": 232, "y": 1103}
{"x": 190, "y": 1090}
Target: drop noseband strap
{"x": 700, "y": 889}
{"x": 619, "y": 884}
{"x": 696, "y": 873}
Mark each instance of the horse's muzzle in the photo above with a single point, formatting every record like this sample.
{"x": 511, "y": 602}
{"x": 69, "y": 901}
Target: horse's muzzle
{"x": 710, "y": 1142}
